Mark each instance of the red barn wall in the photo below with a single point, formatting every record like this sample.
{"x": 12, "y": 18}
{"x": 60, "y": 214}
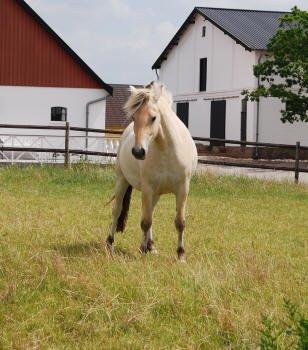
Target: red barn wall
{"x": 31, "y": 56}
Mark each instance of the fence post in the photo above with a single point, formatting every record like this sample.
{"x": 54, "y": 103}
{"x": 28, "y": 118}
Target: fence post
{"x": 297, "y": 157}
{"x": 67, "y": 146}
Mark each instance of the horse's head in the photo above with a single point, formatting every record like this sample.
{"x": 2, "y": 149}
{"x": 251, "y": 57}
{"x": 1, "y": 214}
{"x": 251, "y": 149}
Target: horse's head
{"x": 143, "y": 108}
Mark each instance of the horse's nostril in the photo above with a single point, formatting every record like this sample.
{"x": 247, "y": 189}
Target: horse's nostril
{"x": 138, "y": 152}
{"x": 142, "y": 152}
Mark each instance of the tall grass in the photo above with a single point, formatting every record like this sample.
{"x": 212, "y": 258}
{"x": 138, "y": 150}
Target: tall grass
{"x": 246, "y": 243}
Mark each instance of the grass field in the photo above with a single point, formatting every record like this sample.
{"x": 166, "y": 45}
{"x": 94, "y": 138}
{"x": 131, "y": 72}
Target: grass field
{"x": 246, "y": 250}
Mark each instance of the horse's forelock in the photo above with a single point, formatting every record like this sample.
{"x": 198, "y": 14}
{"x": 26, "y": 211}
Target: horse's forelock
{"x": 136, "y": 101}
{"x": 147, "y": 94}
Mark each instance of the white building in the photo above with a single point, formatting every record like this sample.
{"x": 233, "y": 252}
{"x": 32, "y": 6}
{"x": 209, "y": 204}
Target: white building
{"x": 207, "y": 65}
{"x": 43, "y": 81}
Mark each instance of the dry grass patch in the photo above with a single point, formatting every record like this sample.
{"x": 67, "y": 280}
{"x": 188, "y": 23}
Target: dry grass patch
{"x": 246, "y": 249}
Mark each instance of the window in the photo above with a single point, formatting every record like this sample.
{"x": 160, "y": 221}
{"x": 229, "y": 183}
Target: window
{"x": 203, "y": 31}
{"x": 203, "y": 74}
{"x": 182, "y": 111}
{"x": 244, "y": 120}
{"x": 58, "y": 114}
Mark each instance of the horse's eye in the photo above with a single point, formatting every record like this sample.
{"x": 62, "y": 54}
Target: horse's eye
{"x": 153, "y": 119}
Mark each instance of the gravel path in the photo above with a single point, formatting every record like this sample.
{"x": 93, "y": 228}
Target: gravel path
{"x": 265, "y": 174}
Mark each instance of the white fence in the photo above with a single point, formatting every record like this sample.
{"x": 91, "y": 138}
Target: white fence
{"x": 99, "y": 143}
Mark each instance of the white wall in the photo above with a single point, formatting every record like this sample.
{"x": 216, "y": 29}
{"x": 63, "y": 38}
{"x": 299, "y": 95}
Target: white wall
{"x": 229, "y": 64}
{"x": 32, "y": 105}
{"x": 229, "y": 71}
{"x": 273, "y": 130}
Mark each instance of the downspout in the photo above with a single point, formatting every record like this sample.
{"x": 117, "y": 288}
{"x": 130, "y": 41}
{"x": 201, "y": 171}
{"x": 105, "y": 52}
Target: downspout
{"x": 88, "y": 116}
{"x": 256, "y": 152}
{"x": 157, "y": 75}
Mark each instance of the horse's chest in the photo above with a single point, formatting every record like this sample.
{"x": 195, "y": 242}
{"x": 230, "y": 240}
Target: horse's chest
{"x": 163, "y": 178}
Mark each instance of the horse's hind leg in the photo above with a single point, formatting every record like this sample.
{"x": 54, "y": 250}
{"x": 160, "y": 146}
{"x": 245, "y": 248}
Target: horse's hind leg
{"x": 122, "y": 190}
{"x": 181, "y": 199}
{"x": 148, "y": 204}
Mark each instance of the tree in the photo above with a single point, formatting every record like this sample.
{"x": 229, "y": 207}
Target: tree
{"x": 284, "y": 73}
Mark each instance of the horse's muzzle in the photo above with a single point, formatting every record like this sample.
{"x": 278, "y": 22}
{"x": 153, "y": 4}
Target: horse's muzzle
{"x": 138, "y": 152}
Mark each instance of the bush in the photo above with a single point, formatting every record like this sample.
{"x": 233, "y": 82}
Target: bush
{"x": 285, "y": 334}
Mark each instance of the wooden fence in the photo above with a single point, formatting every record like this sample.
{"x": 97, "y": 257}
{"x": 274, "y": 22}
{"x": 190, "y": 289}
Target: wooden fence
{"x": 67, "y": 151}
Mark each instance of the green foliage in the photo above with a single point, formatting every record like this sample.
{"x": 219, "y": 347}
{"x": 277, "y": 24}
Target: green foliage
{"x": 284, "y": 74}
{"x": 286, "y": 334}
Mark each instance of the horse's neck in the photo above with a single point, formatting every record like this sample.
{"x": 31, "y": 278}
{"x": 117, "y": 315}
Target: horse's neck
{"x": 168, "y": 134}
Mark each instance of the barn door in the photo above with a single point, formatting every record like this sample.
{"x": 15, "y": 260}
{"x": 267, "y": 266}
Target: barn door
{"x": 182, "y": 111}
{"x": 218, "y": 122}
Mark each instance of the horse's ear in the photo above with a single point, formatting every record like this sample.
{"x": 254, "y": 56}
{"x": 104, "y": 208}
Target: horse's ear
{"x": 148, "y": 86}
{"x": 157, "y": 89}
{"x": 132, "y": 90}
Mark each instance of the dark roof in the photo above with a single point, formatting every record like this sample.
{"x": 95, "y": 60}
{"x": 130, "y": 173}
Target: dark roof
{"x": 251, "y": 28}
{"x": 105, "y": 86}
{"x": 115, "y": 116}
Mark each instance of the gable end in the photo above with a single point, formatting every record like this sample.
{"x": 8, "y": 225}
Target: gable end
{"x": 34, "y": 55}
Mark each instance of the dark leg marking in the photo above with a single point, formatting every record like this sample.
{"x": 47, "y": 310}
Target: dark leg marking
{"x": 147, "y": 248}
{"x": 180, "y": 225}
{"x": 150, "y": 245}
{"x": 110, "y": 240}
{"x": 181, "y": 252}
{"x": 146, "y": 225}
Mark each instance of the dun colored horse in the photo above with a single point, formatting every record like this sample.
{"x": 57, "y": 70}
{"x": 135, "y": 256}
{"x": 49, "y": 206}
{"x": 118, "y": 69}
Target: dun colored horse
{"x": 156, "y": 156}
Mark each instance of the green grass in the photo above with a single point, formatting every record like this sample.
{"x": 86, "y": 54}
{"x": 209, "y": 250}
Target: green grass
{"x": 246, "y": 249}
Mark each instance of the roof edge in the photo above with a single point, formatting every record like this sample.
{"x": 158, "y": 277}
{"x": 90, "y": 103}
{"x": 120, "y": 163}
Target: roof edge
{"x": 61, "y": 42}
{"x": 224, "y": 30}
{"x": 234, "y": 9}
{"x": 195, "y": 11}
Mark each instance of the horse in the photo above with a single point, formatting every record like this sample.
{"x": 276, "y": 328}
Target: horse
{"x": 156, "y": 156}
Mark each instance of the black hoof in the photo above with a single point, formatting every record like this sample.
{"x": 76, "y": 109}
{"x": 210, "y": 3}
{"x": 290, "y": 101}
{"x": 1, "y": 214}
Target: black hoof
{"x": 181, "y": 253}
{"x": 143, "y": 249}
{"x": 149, "y": 248}
{"x": 150, "y": 245}
{"x": 109, "y": 241}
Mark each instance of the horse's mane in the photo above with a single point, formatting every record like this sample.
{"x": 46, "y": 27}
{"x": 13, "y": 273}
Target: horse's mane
{"x": 153, "y": 93}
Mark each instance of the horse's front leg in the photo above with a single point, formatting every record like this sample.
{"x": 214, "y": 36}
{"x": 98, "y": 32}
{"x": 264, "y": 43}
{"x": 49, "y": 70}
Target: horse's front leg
{"x": 181, "y": 199}
{"x": 149, "y": 201}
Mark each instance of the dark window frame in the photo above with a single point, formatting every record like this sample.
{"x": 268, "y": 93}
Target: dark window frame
{"x": 58, "y": 114}
{"x": 203, "y": 74}
{"x": 203, "y": 31}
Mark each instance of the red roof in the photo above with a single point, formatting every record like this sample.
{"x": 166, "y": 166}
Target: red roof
{"x": 32, "y": 54}
{"x": 115, "y": 116}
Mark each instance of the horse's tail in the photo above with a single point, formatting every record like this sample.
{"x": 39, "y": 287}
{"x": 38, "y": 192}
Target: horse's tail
{"x": 125, "y": 208}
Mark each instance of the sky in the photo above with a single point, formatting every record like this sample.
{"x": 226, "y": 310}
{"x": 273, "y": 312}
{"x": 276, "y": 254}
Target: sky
{"x": 121, "y": 39}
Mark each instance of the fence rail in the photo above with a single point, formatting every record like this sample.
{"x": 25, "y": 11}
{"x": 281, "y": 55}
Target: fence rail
{"x": 249, "y": 143}
{"x": 67, "y": 151}
{"x": 59, "y": 127}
